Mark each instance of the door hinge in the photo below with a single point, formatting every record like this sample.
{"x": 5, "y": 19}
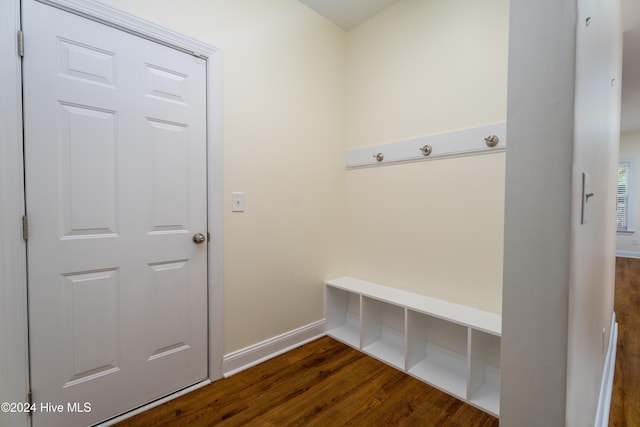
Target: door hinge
{"x": 20, "y": 43}
{"x": 25, "y": 227}
{"x": 30, "y": 400}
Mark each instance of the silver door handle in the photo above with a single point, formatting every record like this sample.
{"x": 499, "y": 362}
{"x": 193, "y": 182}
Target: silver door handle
{"x": 199, "y": 238}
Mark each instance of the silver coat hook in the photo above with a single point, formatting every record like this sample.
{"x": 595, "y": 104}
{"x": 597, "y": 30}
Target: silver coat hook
{"x": 491, "y": 140}
{"x": 426, "y": 150}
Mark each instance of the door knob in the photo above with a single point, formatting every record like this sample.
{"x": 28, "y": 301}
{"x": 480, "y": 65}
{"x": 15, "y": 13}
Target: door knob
{"x": 199, "y": 238}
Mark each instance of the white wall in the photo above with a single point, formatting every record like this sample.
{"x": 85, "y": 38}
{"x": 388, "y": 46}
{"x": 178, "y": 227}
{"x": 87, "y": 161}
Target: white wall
{"x": 287, "y": 76}
{"x": 421, "y": 68}
{"x": 283, "y": 123}
{"x": 558, "y": 275}
{"x": 595, "y": 151}
{"x": 538, "y": 213}
{"x": 630, "y": 150}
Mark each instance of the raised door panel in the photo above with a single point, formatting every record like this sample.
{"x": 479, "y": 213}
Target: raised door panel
{"x": 92, "y": 328}
{"x": 88, "y": 63}
{"x": 166, "y": 84}
{"x": 168, "y": 297}
{"x": 88, "y": 168}
{"x": 170, "y": 153}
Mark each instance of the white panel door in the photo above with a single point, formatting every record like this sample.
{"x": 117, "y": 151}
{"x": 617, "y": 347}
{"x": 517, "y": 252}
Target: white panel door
{"x": 115, "y": 161}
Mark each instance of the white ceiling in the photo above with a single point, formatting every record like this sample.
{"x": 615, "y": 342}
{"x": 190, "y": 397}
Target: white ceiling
{"x": 348, "y": 14}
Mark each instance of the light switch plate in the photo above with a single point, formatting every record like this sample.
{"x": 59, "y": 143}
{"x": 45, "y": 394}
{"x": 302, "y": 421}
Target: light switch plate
{"x": 586, "y": 196}
{"x": 237, "y": 201}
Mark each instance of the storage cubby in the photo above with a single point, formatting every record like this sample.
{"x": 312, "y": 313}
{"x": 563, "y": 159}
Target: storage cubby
{"x": 437, "y": 352}
{"x": 450, "y": 346}
{"x": 383, "y": 331}
{"x": 484, "y": 379}
{"x": 343, "y": 315}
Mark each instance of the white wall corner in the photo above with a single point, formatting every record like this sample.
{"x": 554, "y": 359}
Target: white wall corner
{"x": 247, "y": 357}
{"x": 606, "y": 386}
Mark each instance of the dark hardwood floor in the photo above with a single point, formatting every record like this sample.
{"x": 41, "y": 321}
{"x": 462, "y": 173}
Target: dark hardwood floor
{"x": 326, "y": 383}
{"x": 323, "y": 383}
{"x": 625, "y": 399}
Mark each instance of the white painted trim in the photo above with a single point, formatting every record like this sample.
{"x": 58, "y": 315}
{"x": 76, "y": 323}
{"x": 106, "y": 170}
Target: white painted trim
{"x": 606, "y": 387}
{"x": 465, "y": 142}
{"x": 133, "y": 24}
{"x": 247, "y": 357}
{"x": 215, "y": 214}
{"x": 14, "y": 373}
{"x": 153, "y": 404}
{"x": 628, "y": 254}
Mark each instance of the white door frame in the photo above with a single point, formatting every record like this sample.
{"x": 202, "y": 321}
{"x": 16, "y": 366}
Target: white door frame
{"x": 14, "y": 379}
{"x": 14, "y": 372}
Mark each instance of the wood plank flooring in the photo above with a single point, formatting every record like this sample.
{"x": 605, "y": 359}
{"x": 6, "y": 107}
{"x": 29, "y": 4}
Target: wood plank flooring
{"x": 326, "y": 383}
{"x": 625, "y": 399}
{"x": 323, "y": 383}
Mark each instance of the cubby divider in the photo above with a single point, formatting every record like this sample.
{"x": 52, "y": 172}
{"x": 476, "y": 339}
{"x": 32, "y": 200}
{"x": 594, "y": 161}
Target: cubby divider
{"x": 342, "y": 315}
{"x": 454, "y": 348}
{"x": 484, "y": 364}
{"x": 383, "y": 331}
{"x": 438, "y": 352}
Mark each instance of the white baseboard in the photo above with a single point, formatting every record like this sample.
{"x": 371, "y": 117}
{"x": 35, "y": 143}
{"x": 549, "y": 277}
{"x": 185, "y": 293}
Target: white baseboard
{"x": 247, "y": 357}
{"x": 242, "y": 359}
{"x": 606, "y": 387}
{"x": 628, "y": 254}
